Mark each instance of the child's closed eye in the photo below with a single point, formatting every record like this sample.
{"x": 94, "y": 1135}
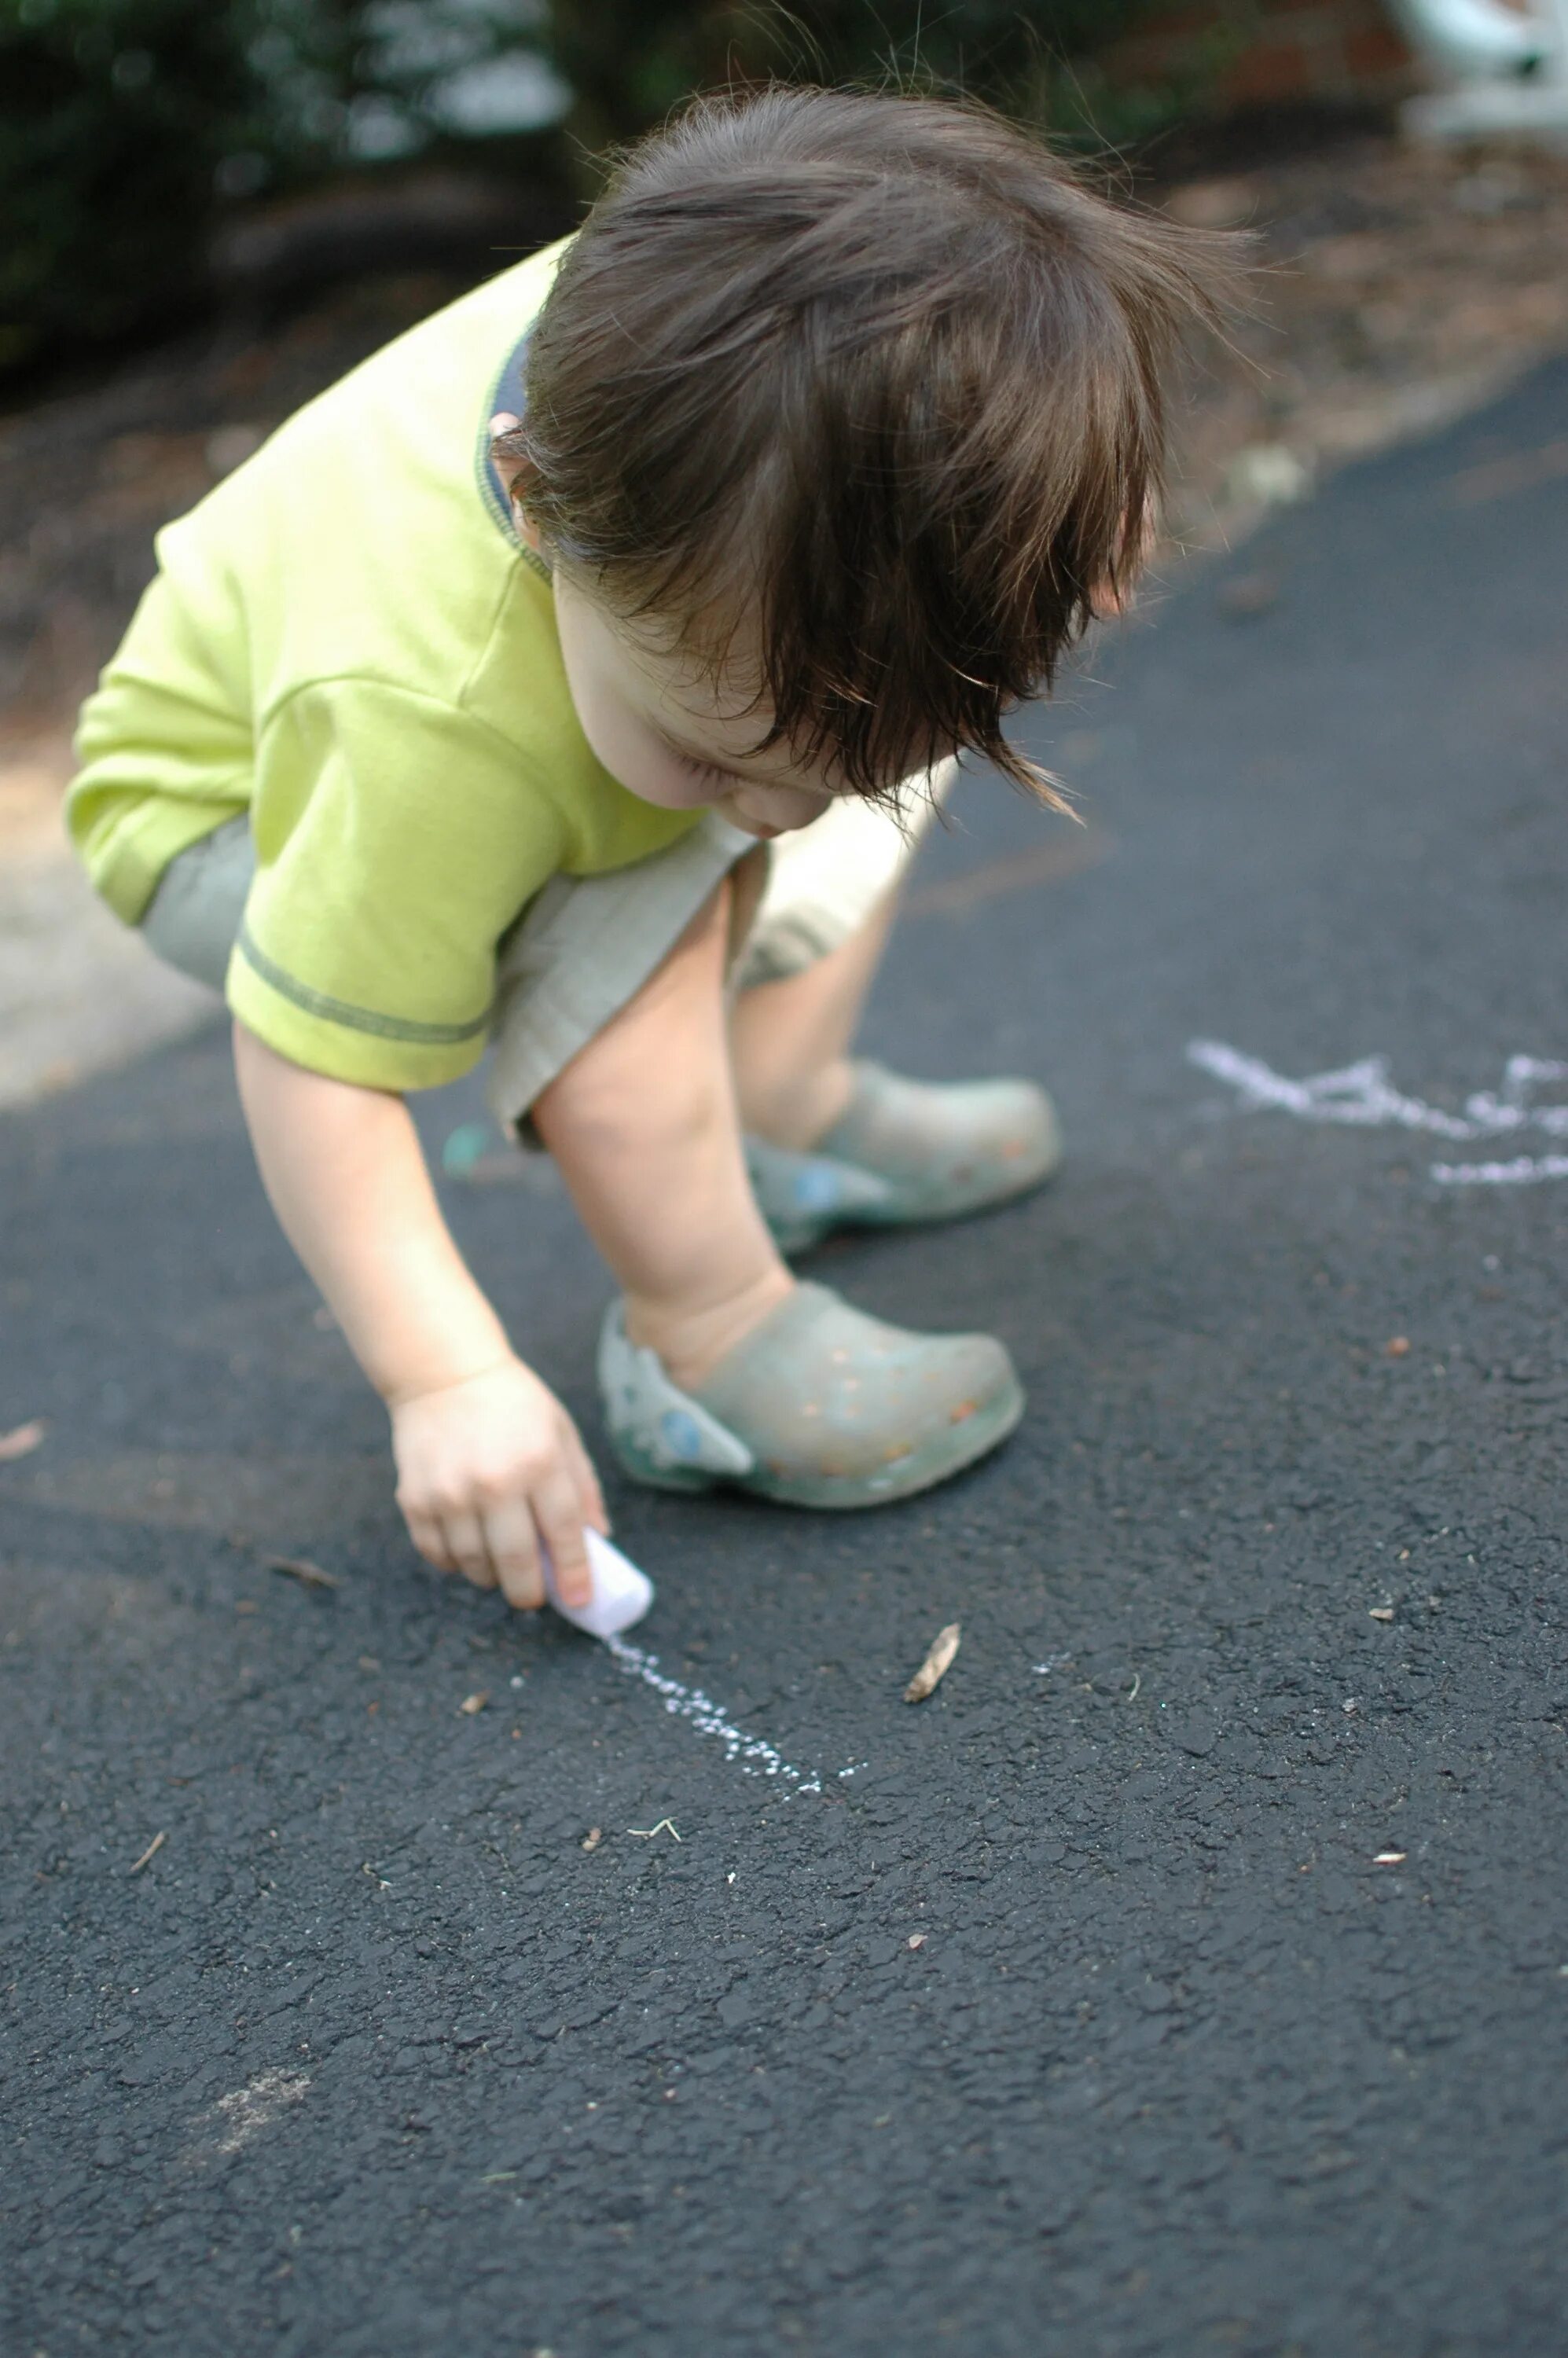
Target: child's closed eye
{"x": 707, "y": 773}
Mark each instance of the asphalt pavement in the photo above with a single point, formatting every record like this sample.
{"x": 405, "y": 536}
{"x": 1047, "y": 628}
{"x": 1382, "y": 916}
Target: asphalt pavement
{"x": 1190, "y": 1973}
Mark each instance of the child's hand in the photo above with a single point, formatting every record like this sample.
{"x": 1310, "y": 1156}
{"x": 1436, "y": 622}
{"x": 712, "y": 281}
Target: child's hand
{"x": 487, "y": 1470}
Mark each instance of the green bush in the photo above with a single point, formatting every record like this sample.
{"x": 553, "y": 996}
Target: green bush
{"x": 127, "y": 126}
{"x": 113, "y": 117}
{"x": 628, "y": 62}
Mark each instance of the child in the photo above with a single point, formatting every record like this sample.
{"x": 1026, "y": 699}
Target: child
{"x": 471, "y": 704}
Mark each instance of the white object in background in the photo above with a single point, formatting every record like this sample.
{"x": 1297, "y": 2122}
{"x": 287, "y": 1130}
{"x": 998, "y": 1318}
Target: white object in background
{"x": 1509, "y": 68}
{"x": 1473, "y": 37}
{"x": 622, "y": 1594}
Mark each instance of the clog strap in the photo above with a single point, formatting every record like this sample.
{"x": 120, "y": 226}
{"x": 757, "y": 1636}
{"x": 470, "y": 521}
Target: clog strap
{"x": 666, "y": 1425}
{"x": 792, "y": 1186}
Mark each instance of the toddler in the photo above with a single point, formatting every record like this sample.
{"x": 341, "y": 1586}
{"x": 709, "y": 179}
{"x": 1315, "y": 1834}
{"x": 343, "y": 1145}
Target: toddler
{"x": 576, "y": 676}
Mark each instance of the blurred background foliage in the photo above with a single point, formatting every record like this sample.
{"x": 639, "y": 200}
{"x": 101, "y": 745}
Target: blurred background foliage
{"x": 132, "y": 131}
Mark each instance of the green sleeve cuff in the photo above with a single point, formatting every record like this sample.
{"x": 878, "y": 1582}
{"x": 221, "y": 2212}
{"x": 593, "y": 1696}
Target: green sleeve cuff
{"x": 359, "y": 1045}
{"x": 127, "y": 849}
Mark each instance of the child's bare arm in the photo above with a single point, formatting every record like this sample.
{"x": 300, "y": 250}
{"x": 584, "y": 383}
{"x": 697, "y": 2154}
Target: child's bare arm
{"x": 489, "y": 1462}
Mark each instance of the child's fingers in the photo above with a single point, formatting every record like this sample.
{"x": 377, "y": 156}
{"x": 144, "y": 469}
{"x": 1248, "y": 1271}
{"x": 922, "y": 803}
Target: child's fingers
{"x": 557, "y": 1511}
{"x": 427, "y": 1536}
{"x": 514, "y": 1547}
{"x": 590, "y": 1496}
{"x": 465, "y": 1544}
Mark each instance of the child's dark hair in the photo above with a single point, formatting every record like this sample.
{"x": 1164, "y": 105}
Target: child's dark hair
{"x": 879, "y": 371}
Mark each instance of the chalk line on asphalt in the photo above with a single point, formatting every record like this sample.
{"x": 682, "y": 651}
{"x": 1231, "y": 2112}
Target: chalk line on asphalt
{"x": 241, "y": 2115}
{"x": 753, "y": 1754}
{"x": 1524, "y": 1171}
{"x": 1361, "y": 1095}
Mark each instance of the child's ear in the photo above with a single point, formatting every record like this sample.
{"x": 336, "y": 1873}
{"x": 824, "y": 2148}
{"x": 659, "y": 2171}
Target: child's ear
{"x": 516, "y": 472}
{"x": 1109, "y": 598}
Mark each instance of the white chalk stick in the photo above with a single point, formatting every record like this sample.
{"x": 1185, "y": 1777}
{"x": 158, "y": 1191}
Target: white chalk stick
{"x": 622, "y": 1594}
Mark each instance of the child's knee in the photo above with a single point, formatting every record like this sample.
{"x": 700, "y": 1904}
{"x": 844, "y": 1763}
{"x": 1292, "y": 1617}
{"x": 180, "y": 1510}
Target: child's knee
{"x": 603, "y": 1105}
{"x": 657, "y": 1080}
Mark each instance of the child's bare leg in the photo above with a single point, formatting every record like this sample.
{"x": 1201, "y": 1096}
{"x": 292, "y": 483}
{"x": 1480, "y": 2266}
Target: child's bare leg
{"x": 645, "y": 1127}
{"x": 927, "y": 1150}
{"x": 790, "y": 1039}
{"x": 827, "y": 1407}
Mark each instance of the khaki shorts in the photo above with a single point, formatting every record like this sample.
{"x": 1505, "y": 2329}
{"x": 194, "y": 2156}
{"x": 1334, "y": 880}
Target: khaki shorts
{"x": 585, "y": 945}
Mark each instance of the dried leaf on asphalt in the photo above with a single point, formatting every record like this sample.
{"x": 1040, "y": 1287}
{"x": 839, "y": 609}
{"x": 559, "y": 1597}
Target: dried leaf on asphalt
{"x": 1381, "y": 1612}
{"x": 23, "y": 1441}
{"x": 470, "y": 1703}
{"x": 299, "y": 1567}
{"x": 935, "y": 1666}
{"x": 151, "y": 1851}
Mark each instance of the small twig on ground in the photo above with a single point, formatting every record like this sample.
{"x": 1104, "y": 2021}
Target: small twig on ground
{"x": 299, "y": 1567}
{"x": 935, "y": 1666}
{"x": 20, "y": 1443}
{"x": 151, "y": 1851}
{"x": 646, "y": 1833}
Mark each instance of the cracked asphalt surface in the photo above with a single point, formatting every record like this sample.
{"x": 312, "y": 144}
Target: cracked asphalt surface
{"x": 1190, "y": 1973}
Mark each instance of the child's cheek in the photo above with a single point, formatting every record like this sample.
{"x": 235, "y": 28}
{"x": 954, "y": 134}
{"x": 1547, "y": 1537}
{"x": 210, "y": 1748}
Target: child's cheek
{"x": 619, "y": 746}
{"x": 646, "y": 770}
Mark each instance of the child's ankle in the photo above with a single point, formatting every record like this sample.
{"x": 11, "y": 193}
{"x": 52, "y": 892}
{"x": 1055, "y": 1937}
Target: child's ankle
{"x": 795, "y": 1117}
{"x": 691, "y": 1341}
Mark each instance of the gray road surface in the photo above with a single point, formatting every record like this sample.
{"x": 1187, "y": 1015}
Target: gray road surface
{"x": 1191, "y": 1973}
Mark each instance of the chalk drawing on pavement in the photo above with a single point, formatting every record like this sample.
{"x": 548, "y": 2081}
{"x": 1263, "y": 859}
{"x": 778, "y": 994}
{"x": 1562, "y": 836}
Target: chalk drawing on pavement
{"x": 1362, "y": 1097}
{"x": 235, "y": 2119}
{"x": 754, "y": 1754}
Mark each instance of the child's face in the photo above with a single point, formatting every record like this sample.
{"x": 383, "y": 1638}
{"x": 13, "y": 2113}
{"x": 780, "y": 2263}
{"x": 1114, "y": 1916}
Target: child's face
{"x": 660, "y": 723}
{"x": 670, "y": 733}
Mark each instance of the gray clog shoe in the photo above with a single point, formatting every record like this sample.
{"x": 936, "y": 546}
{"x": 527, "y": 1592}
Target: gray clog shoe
{"x": 905, "y": 1151}
{"x": 820, "y": 1406}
